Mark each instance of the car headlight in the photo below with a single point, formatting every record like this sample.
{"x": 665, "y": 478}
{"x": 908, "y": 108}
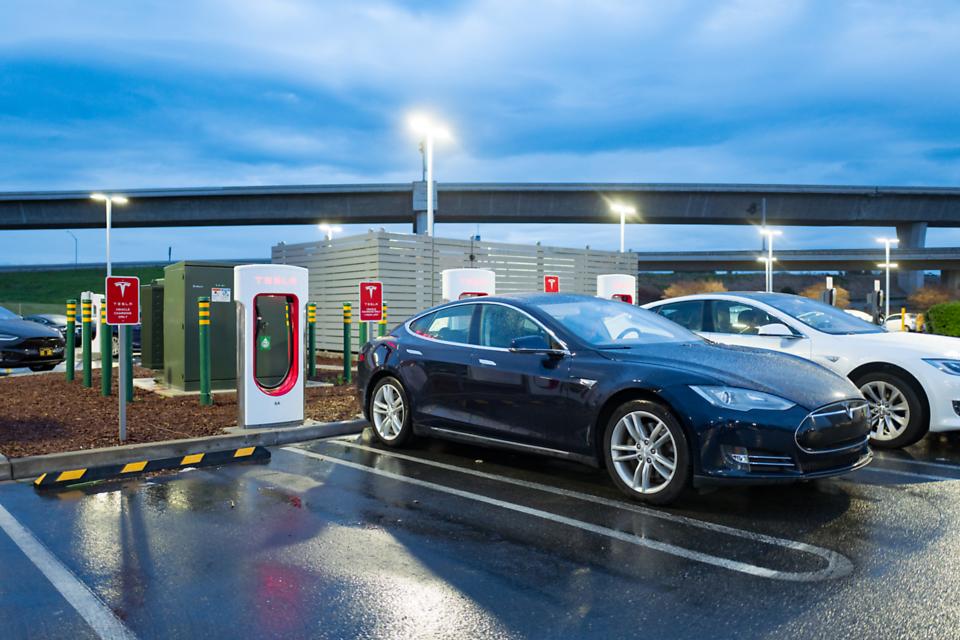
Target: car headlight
{"x": 951, "y": 367}
{"x": 742, "y": 399}
{"x": 6, "y": 337}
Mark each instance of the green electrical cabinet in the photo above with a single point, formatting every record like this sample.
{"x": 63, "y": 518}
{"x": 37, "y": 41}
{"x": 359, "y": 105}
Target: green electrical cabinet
{"x": 183, "y": 283}
{"x": 151, "y": 324}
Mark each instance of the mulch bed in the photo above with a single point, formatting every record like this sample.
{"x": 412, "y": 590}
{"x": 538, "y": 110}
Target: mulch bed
{"x": 46, "y": 414}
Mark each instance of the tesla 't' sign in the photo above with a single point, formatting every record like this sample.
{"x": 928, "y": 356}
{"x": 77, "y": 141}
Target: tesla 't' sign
{"x": 551, "y": 284}
{"x": 371, "y": 301}
{"x": 123, "y": 300}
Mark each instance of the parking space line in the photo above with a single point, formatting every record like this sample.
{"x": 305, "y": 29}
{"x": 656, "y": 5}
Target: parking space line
{"x": 93, "y": 610}
{"x": 838, "y": 565}
{"x": 836, "y": 562}
{"x": 907, "y": 474}
{"x": 919, "y": 463}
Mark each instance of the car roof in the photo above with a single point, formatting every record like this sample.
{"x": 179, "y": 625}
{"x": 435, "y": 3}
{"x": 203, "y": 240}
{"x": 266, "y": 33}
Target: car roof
{"x": 759, "y": 296}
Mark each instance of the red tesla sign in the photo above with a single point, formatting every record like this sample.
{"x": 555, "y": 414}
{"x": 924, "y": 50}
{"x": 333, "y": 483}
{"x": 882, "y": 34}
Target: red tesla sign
{"x": 123, "y": 300}
{"x": 371, "y": 301}
{"x": 551, "y": 284}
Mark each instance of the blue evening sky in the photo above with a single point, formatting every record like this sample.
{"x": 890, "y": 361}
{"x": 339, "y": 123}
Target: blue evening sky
{"x": 116, "y": 95}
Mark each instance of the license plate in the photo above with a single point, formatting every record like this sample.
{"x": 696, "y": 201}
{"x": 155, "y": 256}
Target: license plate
{"x": 46, "y": 351}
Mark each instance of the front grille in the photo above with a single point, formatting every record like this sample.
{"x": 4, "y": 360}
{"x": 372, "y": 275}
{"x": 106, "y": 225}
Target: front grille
{"x": 836, "y": 426}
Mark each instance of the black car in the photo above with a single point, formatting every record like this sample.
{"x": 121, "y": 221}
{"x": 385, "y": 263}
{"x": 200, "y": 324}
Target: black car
{"x": 28, "y": 344}
{"x": 59, "y": 322}
{"x": 134, "y": 330}
{"x": 609, "y": 384}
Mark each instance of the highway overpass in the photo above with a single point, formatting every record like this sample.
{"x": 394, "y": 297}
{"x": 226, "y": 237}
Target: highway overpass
{"x": 910, "y": 209}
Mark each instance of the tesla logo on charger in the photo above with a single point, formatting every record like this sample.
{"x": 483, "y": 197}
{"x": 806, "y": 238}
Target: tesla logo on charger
{"x": 551, "y": 284}
{"x": 371, "y": 301}
{"x": 123, "y": 307}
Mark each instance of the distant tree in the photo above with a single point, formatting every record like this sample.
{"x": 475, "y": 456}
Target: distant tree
{"x": 648, "y": 293}
{"x": 691, "y": 287}
{"x": 925, "y": 297}
{"x": 814, "y": 291}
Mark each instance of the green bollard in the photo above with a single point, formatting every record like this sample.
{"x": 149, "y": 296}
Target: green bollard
{"x": 127, "y": 356}
{"x": 71, "y": 347}
{"x": 312, "y": 340}
{"x": 86, "y": 327}
{"x": 382, "y": 325}
{"x": 203, "y": 308}
{"x": 106, "y": 354}
{"x": 347, "y": 343}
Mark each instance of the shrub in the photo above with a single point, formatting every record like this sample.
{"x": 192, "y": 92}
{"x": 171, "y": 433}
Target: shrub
{"x": 944, "y": 319}
{"x": 691, "y": 287}
{"x": 814, "y": 291}
{"x": 929, "y": 296}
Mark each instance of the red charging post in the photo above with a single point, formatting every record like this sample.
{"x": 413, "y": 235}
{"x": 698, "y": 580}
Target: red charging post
{"x": 123, "y": 309}
{"x": 551, "y": 284}
{"x": 371, "y": 301}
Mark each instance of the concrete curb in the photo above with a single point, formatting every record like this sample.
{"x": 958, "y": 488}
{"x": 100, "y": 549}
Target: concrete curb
{"x": 33, "y": 466}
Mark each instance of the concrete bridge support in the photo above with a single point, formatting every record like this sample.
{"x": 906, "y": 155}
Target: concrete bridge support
{"x": 912, "y": 236}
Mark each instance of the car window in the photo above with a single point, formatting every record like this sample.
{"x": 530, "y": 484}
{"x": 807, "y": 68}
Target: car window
{"x": 820, "y": 316}
{"x": 451, "y": 324}
{"x": 687, "y": 314}
{"x": 736, "y": 317}
{"x": 612, "y": 324}
{"x": 500, "y": 325}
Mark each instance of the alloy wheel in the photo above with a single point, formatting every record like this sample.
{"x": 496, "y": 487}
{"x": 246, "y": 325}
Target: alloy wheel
{"x": 889, "y": 410}
{"x": 388, "y": 411}
{"x": 644, "y": 452}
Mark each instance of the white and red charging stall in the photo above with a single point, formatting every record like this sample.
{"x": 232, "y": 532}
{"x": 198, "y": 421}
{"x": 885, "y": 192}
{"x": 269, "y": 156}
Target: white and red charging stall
{"x": 617, "y": 286}
{"x": 458, "y": 284}
{"x": 271, "y": 301}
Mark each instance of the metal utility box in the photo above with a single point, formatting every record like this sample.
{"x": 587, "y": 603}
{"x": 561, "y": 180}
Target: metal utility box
{"x": 184, "y": 282}
{"x": 151, "y": 324}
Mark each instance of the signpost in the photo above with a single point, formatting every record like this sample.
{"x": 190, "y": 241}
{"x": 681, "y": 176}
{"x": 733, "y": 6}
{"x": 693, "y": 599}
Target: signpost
{"x": 371, "y": 301}
{"x": 123, "y": 308}
{"x": 551, "y": 284}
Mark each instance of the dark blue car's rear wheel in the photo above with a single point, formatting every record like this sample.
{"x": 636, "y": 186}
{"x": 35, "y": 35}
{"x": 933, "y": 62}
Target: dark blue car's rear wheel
{"x": 390, "y": 412}
{"x": 646, "y": 452}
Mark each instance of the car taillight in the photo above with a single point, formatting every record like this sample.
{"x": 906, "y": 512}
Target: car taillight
{"x": 361, "y": 357}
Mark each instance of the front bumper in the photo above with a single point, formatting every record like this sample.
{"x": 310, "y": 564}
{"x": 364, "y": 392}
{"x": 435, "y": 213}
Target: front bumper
{"x": 17, "y": 356}
{"x": 781, "y": 446}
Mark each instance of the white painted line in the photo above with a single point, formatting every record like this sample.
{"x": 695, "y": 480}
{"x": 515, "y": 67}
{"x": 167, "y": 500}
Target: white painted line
{"x": 919, "y": 463}
{"x": 837, "y": 565}
{"x": 836, "y": 562}
{"x": 100, "y": 618}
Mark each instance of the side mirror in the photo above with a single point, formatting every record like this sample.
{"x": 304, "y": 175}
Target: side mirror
{"x": 776, "y": 329}
{"x": 533, "y": 344}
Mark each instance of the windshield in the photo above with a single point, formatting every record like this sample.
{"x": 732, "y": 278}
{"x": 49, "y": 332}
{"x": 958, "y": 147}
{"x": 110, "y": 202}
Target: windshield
{"x": 820, "y": 316}
{"x": 6, "y": 314}
{"x": 609, "y": 323}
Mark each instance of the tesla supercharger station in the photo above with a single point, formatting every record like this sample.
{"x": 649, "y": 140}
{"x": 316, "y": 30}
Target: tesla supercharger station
{"x": 457, "y": 284}
{"x": 617, "y": 286}
{"x": 271, "y": 299}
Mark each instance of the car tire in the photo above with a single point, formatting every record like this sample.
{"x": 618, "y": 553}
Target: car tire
{"x": 389, "y": 412}
{"x": 651, "y": 430}
{"x": 43, "y": 367}
{"x": 895, "y": 398}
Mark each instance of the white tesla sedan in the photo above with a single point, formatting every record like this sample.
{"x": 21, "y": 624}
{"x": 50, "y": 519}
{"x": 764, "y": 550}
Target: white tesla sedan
{"x": 911, "y": 380}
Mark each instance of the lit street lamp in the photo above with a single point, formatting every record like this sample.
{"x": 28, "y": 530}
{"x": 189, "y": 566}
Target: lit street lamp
{"x": 110, "y": 200}
{"x": 769, "y": 260}
{"x": 624, "y": 210}
{"x": 328, "y": 230}
{"x": 886, "y": 264}
{"x": 429, "y": 132}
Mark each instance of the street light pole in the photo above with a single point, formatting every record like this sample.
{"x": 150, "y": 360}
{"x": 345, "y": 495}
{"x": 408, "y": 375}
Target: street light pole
{"x": 770, "y": 234}
{"x": 624, "y": 210}
{"x": 76, "y": 248}
{"x": 430, "y": 132}
{"x": 887, "y": 242}
{"x": 429, "y": 154}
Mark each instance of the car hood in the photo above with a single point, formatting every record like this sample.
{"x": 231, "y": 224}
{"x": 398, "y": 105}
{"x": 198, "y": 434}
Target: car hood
{"x": 27, "y": 329}
{"x": 918, "y": 344}
{"x": 801, "y": 381}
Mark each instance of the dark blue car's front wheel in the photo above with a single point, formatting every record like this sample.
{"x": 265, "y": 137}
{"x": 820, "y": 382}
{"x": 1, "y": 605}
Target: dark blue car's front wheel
{"x": 390, "y": 412}
{"x": 646, "y": 452}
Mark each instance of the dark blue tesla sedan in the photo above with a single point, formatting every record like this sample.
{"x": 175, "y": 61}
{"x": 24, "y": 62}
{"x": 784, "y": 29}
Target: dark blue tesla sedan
{"x": 610, "y": 384}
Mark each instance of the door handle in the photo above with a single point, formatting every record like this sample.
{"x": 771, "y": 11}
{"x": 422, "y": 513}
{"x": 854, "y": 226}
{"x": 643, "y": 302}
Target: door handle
{"x": 489, "y": 363}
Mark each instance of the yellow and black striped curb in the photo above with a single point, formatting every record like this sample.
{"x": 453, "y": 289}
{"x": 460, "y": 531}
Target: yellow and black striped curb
{"x": 67, "y": 477}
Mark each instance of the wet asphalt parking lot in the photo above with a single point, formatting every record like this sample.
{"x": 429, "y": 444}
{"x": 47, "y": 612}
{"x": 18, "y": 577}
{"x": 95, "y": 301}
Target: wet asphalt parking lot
{"x": 339, "y": 539}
